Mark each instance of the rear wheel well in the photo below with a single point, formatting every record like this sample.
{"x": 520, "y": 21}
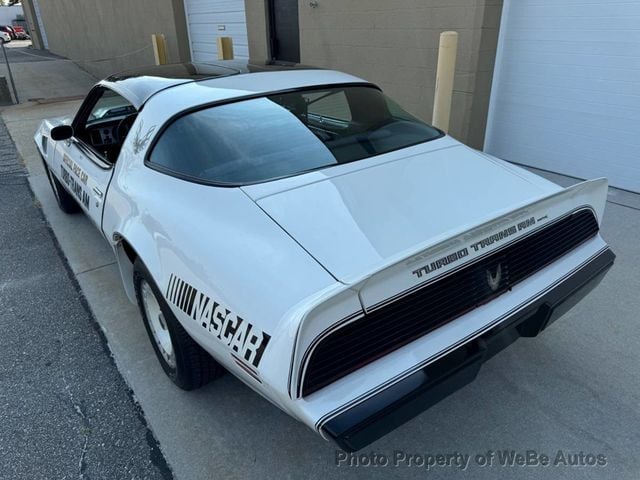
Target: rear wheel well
{"x": 129, "y": 251}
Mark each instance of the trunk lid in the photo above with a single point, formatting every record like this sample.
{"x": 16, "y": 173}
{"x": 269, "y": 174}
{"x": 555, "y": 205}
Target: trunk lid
{"x": 359, "y": 221}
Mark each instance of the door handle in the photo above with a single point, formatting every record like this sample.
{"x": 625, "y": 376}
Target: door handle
{"x": 98, "y": 192}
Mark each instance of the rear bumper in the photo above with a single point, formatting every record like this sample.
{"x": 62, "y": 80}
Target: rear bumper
{"x": 364, "y": 423}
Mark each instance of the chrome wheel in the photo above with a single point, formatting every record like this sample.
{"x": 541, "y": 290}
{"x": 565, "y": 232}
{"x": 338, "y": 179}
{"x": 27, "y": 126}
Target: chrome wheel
{"x": 157, "y": 324}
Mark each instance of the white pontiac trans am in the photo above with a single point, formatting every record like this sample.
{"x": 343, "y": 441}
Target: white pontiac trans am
{"x": 299, "y": 229}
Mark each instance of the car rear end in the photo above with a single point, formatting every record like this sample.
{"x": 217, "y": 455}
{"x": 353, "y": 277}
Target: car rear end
{"x": 436, "y": 256}
{"x": 401, "y": 339}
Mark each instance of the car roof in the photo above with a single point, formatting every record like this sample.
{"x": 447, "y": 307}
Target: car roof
{"x": 141, "y": 84}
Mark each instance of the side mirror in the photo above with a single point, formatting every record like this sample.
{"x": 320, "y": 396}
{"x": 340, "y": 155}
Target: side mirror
{"x": 61, "y": 132}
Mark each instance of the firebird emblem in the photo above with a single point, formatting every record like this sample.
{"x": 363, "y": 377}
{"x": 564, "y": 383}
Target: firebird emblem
{"x": 140, "y": 141}
{"x": 494, "y": 280}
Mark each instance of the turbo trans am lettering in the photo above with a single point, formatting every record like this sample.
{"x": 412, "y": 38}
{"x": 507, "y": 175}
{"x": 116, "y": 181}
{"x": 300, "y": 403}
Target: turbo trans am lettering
{"x": 235, "y": 332}
{"x": 501, "y": 235}
{"x": 476, "y": 247}
{"x": 75, "y": 186}
{"x": 438, "y": 264}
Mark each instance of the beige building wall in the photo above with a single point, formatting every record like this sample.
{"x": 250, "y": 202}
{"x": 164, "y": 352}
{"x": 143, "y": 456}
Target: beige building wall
{"x": 30, "y": 18}
{"x": 394, "y": 43}
{"x": 89, "y": 31}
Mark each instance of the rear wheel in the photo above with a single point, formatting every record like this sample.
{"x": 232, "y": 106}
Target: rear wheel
{"x": 182, "y": 359}
{"x": 65, "y": 200}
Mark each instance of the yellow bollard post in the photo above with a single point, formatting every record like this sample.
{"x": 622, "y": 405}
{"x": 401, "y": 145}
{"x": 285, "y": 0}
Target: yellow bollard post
{"x": 444, "y": 80}
{"x": 159, "y": 48}
{"x": 225, "y": 48}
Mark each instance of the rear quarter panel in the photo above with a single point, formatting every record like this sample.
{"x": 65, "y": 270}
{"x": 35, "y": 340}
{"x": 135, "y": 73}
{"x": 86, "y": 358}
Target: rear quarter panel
{"x": 221, "y": 244}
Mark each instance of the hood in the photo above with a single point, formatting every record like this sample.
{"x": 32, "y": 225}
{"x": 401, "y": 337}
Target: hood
{"x": 357, "y": 222}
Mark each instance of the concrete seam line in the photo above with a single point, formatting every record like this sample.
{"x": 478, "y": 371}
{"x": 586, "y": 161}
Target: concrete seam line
{"x": 95, "y": 268}
{"x": 133, "y": 52}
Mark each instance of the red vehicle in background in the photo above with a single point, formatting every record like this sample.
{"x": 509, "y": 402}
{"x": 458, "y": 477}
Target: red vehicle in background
{"x": 20, "y": 33}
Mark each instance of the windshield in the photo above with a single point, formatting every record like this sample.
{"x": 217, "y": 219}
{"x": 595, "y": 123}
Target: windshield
{"x": 281, "y": 135}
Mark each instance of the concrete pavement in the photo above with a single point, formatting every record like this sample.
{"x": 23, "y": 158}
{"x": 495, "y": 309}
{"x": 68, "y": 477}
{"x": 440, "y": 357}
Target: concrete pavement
{"x": 40, "y": 75}
{"x": 576, "y": 388}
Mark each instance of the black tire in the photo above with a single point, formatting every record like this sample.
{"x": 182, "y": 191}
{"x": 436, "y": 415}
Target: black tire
{"x": 193, "y": 367}
{"x": 65, "y": 200}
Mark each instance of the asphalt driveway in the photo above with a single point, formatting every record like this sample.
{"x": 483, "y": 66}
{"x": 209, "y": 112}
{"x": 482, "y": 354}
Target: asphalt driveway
{"x": 575, "y": 389}
{"x": 65, "y": 411}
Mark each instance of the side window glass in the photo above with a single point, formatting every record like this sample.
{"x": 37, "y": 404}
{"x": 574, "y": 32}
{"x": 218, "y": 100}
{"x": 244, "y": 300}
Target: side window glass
{"x": 104, "y": 123}
{"x": 109, "y": 106}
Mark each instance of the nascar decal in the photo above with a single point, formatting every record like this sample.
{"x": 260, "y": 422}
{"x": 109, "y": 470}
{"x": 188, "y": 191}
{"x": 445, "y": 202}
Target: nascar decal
{"x": 235, "y": 332}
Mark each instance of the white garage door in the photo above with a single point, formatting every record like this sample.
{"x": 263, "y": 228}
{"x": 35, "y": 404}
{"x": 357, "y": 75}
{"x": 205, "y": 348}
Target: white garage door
{"x": 566, "y": 91}
{"x": 209, "y": 19}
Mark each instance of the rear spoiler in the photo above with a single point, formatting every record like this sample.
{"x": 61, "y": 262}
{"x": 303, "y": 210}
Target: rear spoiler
{"x": 518, "y": 220}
